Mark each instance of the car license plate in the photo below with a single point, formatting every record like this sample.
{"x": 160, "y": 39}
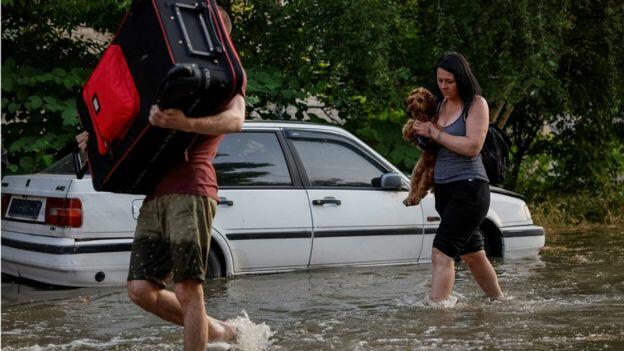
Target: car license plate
{"x": 24, "y": 208}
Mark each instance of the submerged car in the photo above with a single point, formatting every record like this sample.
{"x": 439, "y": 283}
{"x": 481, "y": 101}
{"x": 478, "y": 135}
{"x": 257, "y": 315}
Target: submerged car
{"x": 293, "y": 196}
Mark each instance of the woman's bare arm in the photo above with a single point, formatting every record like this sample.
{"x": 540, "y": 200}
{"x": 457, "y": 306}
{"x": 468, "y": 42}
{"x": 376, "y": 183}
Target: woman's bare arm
{"x": 470, "y": 145}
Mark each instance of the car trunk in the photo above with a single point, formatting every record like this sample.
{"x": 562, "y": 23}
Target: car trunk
{"x": 27, "y": 202}
{"x": 30, "y": 202}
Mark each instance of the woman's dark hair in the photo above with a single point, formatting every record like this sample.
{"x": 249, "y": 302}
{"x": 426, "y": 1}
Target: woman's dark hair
{"x": 467, "y": 85}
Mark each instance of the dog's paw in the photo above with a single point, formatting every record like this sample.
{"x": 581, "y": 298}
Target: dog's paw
{"x": 408, "y": 202}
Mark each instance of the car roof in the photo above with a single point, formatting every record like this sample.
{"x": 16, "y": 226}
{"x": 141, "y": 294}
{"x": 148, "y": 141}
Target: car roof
{"x": 285, "y": 124}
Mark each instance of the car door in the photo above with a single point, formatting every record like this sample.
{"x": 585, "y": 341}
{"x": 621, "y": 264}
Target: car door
{"x": 355, "y": 221}
{"x": 264, "y": 212}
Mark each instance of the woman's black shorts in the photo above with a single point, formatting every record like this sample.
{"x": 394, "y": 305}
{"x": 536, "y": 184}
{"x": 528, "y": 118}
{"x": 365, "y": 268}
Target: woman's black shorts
{"x": 462, "y": 206}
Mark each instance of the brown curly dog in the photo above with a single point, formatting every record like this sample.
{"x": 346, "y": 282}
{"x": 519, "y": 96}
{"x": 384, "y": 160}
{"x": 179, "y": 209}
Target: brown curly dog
{"x": 422, "y": 106}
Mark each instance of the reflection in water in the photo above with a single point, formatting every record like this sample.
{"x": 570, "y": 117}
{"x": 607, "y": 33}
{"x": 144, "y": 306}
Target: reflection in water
{"x": 571, "y": 297}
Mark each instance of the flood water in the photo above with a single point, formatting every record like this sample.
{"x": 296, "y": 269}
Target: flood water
{"x": 571, "y": 297}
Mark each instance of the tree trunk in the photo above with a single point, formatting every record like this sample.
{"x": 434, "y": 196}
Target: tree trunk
{"x": 512, "y": 179}
{"x": 495, "y": 112}
{"x": 500, "y": 123}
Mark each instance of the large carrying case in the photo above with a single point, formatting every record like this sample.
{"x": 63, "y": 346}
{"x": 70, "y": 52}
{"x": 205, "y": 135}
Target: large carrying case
{"x": 173, "y": 53}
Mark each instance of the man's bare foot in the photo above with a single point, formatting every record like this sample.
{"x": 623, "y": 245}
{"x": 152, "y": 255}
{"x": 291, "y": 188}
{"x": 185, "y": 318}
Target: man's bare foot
{"x": 220, "y": 330}
{"x": 221, "y": 346}
{"x": 500, "y": 297}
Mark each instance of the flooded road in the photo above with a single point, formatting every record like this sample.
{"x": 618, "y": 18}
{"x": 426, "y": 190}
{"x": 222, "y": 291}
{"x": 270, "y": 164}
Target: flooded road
{"x": 571, "y": 297}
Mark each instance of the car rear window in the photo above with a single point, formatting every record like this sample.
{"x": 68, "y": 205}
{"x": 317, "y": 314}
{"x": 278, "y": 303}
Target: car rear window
{"x": 63, "y": 166}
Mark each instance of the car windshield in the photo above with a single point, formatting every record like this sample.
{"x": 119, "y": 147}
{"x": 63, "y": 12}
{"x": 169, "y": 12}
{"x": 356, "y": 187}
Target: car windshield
{"x": 63, "y": 166}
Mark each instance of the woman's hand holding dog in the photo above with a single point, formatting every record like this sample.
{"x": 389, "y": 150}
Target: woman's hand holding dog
{"x": 427, "y": 129}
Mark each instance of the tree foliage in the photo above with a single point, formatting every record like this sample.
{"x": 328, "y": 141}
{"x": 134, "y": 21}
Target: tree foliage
{"x": 45, "y": 61}
{"x": 540, "y": 63}
{"x": 556, "y": 64}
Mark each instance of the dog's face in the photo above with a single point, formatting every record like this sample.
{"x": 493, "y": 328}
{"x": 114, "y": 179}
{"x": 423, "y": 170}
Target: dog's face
{"x": 421, "y": 104}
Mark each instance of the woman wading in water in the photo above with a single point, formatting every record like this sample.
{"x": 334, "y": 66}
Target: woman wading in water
{"x": 462, "y": 193}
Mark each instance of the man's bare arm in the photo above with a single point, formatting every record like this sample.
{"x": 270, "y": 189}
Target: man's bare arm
{"x": 229, "y": 120}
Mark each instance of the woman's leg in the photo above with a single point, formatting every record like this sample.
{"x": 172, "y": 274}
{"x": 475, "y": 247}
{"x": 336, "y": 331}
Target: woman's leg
{"x": 443, "y": 276}
{"x": 443, "y": 269}
{"x": 483, "y": 273}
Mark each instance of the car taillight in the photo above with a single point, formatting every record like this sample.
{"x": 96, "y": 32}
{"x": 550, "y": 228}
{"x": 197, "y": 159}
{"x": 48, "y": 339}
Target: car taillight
{"x": 6, "y": 198}
{"x": 63, "y": 212}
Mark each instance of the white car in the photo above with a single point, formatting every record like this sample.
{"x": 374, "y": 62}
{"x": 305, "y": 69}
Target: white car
{"x": 293, "y": 196}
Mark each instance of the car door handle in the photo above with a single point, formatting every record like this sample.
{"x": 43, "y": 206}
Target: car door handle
{"x": 223, "y": 201}
{"x": 326, "y": 200}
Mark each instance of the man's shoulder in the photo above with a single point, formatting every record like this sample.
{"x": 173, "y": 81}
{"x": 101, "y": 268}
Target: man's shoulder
{"x": 204, "y": 143}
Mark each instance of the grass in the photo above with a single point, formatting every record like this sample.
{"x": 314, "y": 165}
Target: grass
{"x": 578, "y": 211}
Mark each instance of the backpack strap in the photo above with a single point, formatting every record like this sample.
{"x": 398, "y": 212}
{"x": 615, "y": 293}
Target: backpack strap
{"x": 464, "y": 113}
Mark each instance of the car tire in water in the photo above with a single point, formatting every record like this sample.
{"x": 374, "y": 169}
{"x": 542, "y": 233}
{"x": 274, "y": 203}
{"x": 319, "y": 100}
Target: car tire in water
{"x": 215, "y": 269}
{"x": 491, "y": 243}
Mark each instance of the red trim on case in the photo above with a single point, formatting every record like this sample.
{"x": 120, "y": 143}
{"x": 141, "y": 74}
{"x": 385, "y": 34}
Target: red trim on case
{"x": 126, "y": 153}
{"x": 166, "y": 39}
{"x": 227, "y": 56}
{"x": 162, "y": 28}
{"x": 235, "y": 52}
{"x": 219, "y": 33}
{"x": 121, "y": 25}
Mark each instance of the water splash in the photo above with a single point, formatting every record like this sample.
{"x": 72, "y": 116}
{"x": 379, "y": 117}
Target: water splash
{"x": 220, "y": 346}
{"x": 451, "y": 302}
{"x": 426, "y": 302}
{"x": 251, "y": 336}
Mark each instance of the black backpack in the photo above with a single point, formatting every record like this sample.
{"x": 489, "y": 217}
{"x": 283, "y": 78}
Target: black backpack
{"x": 494, "y": 153}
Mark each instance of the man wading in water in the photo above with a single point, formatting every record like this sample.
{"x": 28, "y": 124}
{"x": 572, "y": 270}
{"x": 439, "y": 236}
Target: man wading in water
{"x": 172, "y": 237}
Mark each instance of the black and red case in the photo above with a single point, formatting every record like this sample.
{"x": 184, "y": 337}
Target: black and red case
{"x": 173, "y": 53}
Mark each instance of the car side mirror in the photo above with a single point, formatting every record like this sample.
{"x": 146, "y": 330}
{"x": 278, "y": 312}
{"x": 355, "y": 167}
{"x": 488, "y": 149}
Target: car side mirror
{"x": 391, "y": 181}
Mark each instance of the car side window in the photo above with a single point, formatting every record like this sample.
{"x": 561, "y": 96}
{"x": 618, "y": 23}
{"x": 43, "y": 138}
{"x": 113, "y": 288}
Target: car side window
{"x": 334, "y": 163}
{"x": 251, "y": 159}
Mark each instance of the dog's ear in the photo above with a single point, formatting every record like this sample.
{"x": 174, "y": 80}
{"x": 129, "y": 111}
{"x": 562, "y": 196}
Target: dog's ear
{"x": 409, "y": 104}
{"x": 432, "y": 104}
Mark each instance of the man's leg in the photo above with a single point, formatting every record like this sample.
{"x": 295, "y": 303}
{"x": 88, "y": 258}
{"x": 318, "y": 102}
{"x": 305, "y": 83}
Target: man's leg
{"x": 164, "y": 304}
{"x": 483, "y": 273}
{"x": 190, "y": 294}
{"x": 443, "y": 275}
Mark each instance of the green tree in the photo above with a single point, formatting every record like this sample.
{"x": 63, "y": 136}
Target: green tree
{"x": 45, "y": 60}
{"x": 546, "y": 63}
{"x": 592, "y": 67}
{"x": 362, "y": 57}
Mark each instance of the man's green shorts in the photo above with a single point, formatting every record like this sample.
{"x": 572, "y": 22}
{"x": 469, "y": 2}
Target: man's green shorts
{"x": 172, "y": 237}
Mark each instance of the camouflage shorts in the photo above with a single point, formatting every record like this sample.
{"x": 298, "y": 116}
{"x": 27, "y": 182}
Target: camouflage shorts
{"x": 172, "y": 237}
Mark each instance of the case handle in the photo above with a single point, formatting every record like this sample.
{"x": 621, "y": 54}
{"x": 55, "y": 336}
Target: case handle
{"x": 200, "y": 9}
